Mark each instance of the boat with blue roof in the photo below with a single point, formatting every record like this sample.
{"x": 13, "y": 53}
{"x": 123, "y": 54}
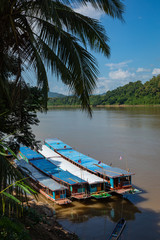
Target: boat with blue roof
{"x": 76, "y": 186}
{"x": 45, "y": 185}
{"x": 118, "y": 180}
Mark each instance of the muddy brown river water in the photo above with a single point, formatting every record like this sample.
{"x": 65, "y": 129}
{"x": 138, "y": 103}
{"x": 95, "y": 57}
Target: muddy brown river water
{"x": 134, "y": 134}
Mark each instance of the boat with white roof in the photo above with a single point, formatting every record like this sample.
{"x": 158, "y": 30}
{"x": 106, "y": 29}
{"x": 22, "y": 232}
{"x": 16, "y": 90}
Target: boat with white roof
{"x": 96, "y": 185}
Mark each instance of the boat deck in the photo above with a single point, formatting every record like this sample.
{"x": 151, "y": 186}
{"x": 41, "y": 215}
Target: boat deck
{"x": 130, "y": 190}
{"x": 123, "y": 190}
{"x": 81, "y": 196}
{"x": 101, "y": 195}
{"x": 63, "y": 201}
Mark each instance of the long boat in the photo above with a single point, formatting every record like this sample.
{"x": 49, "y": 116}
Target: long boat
{"x": 96, "y": 185}
{"x": 76, "y": 187}
{"x": 118, "y": 229}
{"x": 43, "y": 184}
{"x": 119, "y": 180}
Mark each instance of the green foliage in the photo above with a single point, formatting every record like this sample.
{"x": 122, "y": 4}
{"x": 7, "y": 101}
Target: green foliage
{"x": 13, "y": 188}
{"x": 11, "y": 229}
{"x": 133, "y": 93}
{"x": 63, "y": 101}
{"x": 40, "y": 33}
{"x": 17, "y": 117}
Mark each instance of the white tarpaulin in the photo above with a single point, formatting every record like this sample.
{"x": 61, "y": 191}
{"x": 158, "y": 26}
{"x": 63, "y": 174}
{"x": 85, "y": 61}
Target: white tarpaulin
{"x": 60, "y": 162}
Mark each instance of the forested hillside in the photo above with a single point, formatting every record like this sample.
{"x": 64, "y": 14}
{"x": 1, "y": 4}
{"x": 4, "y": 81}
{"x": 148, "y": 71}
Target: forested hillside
{"x": 133, "y": 93}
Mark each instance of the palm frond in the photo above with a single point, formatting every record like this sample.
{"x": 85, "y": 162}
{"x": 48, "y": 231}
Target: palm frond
{"x": 113, "y": 8}
{"x": 87, "y": 30}
{"x": 10, "y": 196}
{"x": 76, "y": 67}
{"x": 26, "y": 22}
{"x": 13, "y": 189}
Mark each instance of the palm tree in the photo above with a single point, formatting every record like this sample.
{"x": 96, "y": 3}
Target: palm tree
{"x": 48, "y": 33}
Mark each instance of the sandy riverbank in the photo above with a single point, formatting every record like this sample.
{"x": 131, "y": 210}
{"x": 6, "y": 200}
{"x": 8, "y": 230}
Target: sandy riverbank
{"x": 104, "y": 106}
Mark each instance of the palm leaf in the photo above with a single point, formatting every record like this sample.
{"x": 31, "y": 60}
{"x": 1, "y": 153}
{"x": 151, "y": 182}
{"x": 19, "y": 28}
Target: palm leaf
{"x": 26, "y": 188}
{"x": 23, "y": 188}
{"x": 8, "y": 148}
{"x": 113, "y": 8}
{"x": 10, "y": 196}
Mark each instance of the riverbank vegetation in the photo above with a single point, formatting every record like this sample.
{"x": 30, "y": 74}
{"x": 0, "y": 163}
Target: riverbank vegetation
{"x": 133, "y": 93}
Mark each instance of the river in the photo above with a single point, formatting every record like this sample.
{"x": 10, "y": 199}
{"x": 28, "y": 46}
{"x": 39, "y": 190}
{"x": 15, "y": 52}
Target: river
{"x": 133, "y": 134}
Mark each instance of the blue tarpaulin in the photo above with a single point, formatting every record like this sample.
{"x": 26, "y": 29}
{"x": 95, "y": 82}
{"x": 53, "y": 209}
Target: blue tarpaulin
{"x": 47, "y": 167}
{"x": 57, "y": 144}
{"x": 86, "y": 161}
{"x": 51, "y": 169}
{"x": 29, "y": 153}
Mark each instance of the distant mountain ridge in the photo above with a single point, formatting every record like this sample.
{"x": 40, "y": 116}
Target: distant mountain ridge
{"x": 55, "y": 95}
{"x": 133, "y": 93}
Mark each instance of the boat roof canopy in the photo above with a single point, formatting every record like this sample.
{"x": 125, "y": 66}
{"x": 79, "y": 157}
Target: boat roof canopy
{"x": 38, "y": 176}
{"x": 59, "y": 161}
{"x": 87, "y": 162}
{"x": 47, "y": 167}
{"x": 57, "y": 144}
{"x": 56, "y": 172}
{"x": 29, "y": 153}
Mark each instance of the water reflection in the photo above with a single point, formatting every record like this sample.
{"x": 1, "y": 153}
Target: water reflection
{"x": 95, "y": 219}
{"x": 114, "y": 208}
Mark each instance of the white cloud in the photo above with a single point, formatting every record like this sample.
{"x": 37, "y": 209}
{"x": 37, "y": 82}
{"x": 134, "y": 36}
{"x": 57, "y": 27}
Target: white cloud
{"x": 118, "y": 65}
{"x": 89, "y": 11}
{"x": 156, "y": 71}
{"x": 103, "y": 85}
{"x": 143, "y": 70}
{"x": 63, "y": 89}
{"x": 120, "y": 74}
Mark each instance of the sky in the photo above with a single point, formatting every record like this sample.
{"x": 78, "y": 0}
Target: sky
{"x": 134, "y": 44}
